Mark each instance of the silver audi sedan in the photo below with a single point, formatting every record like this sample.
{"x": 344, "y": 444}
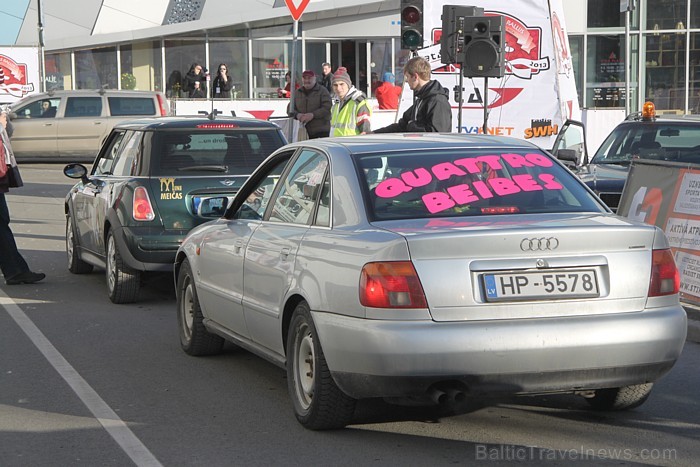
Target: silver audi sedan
{"x": 430, "y": 269}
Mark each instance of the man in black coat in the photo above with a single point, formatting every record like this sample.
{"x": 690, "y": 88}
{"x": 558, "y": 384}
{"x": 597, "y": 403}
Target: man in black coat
{"x": 431, "y": 110}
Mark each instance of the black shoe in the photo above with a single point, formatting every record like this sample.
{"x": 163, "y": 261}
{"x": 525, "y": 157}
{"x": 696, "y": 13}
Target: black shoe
{"x": 27, "y": 277}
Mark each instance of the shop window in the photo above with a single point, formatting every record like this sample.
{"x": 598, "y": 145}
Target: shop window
{"x": 605, "y": 80}
{"x": 666, "y": 14}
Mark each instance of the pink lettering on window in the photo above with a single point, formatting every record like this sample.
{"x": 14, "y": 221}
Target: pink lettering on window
{"x": 445, "y": 170}
{"x": 438, "y": 201}
{"x": 416, "y": 178}
{"x": 391, "y": 187}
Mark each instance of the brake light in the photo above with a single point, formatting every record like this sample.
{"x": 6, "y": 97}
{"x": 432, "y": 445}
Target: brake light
{"x": 665, "y": 278}
{"x": 648, "y": 111}
{"x": 501, "y": 210}
{"x": 391, "y": 285}
{"x": 217, "y": 125}
{"x": 142, "y": 209}
{"x": 161, "y": 105}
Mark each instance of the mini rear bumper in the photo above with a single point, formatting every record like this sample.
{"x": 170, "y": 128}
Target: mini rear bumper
{"x": 149, "y": 249}
{"x": 383, "y": 358}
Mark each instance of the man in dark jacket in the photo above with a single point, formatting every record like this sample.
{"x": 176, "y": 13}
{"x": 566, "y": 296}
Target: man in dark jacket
{"x": 327, "y": 77}
{"x": 312, "y": 106}
{"x": 431, "y": 110}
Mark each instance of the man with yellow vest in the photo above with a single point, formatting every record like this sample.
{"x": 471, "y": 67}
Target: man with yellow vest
{"x": 350, "y": 115}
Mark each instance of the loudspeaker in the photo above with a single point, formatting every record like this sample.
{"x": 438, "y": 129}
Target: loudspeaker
{"x": 452, "y": 38}
{"x": 484, "y": 54}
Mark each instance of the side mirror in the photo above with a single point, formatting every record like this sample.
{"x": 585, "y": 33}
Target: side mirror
{"x": 76, "y": 171}
{"x": 214, "y": 207}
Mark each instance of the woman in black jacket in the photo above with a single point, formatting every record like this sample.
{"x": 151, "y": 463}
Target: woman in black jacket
{"x": 197, "y": 74}
{"x": 221, "y": 86}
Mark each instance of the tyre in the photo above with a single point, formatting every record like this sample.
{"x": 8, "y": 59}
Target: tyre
{"x": 194, "y": 337}
{"x": 123, "y": 284}
{"x": 75, "y": 264}
{"x": 318, "y": 402}
{"x": 627, "y": 397}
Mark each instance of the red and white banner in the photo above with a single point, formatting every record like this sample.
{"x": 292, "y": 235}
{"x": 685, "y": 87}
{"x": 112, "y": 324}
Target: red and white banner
{"x": 19, "y": 73}
{"x": 538, "y": 91}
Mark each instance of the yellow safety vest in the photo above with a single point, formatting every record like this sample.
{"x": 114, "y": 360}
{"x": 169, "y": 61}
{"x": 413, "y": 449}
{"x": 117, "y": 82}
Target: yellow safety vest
{"x": 344, "y": 117}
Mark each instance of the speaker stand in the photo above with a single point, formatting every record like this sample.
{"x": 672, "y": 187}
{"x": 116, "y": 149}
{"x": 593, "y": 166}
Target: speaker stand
{"x": 459, "y": 89}
{"x": 486, "y": 104}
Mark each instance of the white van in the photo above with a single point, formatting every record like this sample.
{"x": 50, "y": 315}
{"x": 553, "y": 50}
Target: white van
{"x": 71, "y": 125}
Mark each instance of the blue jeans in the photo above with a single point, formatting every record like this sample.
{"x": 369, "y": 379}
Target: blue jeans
{"x": 11, "y": 261}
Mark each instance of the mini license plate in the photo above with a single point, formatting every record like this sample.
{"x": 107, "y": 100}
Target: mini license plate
{"x": 578, "y": 283}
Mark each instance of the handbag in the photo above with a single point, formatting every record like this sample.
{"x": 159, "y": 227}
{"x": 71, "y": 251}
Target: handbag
{"x": 302, "y": 134}
{"x": 14, "y": 178}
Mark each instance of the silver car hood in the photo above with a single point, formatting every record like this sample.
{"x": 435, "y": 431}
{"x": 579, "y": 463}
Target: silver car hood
{"x": 452, "y": 255}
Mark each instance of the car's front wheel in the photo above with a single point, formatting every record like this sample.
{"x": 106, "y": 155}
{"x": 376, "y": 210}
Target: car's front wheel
{"x": 318, "y": 402}
{"x": 75, "y": 264}
{"x": 123, "y": 283}
{"x": 627, "y": 397}
{"x": 194, "y": 337}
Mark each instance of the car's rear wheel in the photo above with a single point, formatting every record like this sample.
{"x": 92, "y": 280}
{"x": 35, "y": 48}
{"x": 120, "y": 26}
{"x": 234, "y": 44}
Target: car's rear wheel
{"x": 318, "y": 402}
{"x": 627, "y": 397}
{"x": 194, "y": 337}
{"x": 123, "y": 283}
{"x": 75, "y": 264}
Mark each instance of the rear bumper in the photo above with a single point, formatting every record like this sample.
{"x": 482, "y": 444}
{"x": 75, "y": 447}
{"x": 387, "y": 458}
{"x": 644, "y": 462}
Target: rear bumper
{"x": 148, "y": 249}
{"x": 381, "y": 358}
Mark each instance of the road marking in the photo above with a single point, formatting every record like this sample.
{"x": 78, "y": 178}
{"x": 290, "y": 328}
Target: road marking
{"x": 111, "y": 422}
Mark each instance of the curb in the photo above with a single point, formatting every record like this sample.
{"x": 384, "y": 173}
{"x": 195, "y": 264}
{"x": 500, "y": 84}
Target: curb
{"x": 693, "y": 313}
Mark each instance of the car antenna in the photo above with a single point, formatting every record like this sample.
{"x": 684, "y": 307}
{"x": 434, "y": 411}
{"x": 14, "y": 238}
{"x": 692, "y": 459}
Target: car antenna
{"x": 210, "y": 115}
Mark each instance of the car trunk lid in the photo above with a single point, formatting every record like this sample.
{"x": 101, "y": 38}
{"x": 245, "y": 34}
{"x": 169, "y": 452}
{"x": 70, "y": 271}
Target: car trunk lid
{"x": 505, "y": 268}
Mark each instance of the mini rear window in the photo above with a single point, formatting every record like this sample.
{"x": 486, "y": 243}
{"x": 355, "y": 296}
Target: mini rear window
{"x": 469, "y": 182}
{"x": 223, "y": 151}
{"x": 126, "y": 106}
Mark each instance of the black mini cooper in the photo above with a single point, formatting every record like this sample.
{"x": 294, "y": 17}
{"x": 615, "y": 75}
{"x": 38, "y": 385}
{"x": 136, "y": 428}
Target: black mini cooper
{"x": 152, "y": 181}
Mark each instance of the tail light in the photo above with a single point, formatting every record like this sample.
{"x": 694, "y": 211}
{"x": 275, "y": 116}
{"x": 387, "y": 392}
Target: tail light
{"x": 391, "y": 285}
{"x": 142, "y": 209}
{"x": 161, "y": 105}
{"x": 665, "y": 278}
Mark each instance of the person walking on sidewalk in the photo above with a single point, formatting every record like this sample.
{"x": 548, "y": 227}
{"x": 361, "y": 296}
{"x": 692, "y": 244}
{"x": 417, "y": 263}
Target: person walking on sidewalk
{"x": 14, "y": 267}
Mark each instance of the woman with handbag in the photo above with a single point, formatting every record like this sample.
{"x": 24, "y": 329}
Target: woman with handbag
{"x": 12, "y": 264}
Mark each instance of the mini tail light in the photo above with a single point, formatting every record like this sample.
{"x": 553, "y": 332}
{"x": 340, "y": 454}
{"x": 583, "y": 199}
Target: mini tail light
{"x": 161, "y": 105}
{"x": 648, "y": 111}
{"x": 665, "y": 278}
{"x": 143, "y": 209}
{"x": 391, "y": 285}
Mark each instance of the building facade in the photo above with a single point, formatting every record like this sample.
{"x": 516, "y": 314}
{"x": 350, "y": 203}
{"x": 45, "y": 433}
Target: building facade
{"x": 152, "y": 45}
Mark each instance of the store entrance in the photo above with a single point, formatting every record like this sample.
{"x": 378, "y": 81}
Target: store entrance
{"x": 353, "y": 56}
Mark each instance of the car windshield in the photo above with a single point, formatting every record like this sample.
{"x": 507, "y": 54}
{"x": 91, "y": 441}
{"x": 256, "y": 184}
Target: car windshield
{"x": 469, "y": 182}
{"x": 651, "y": 140}
{"x": 225, "y": 151}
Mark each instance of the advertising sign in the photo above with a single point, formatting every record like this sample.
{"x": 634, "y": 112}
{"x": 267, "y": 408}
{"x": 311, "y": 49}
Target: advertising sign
{"x": 19, "y": 73}
{"x": 537, "y": 92}
{"x": 667, "y": 195}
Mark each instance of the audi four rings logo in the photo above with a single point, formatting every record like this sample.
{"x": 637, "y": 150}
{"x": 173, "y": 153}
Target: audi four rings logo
{"x": 539, "y": 244}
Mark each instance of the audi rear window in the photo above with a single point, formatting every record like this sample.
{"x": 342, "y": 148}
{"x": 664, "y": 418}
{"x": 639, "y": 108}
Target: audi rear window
{"x": 469, "y": 183}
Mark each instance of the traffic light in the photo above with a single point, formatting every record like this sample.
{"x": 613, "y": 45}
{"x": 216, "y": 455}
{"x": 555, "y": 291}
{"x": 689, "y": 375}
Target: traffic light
{"x": 484, "y": 54}
{"x": 411, "y": 24}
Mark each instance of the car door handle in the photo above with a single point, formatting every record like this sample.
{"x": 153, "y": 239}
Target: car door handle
{"x": 48, "y": 124}
{"x": 284, "y": 253}
{"x": 97, "y": 123}
{"x": 238, "y": 244}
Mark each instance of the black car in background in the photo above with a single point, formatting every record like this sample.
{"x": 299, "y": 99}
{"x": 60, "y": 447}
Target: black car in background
{"x": 153, "y": 180}
{"x": 643, "y": 135}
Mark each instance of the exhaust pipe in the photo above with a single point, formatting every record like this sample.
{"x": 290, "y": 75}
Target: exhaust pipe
{"x": 455, "y": 395}
{"x": 439, "y": 397}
